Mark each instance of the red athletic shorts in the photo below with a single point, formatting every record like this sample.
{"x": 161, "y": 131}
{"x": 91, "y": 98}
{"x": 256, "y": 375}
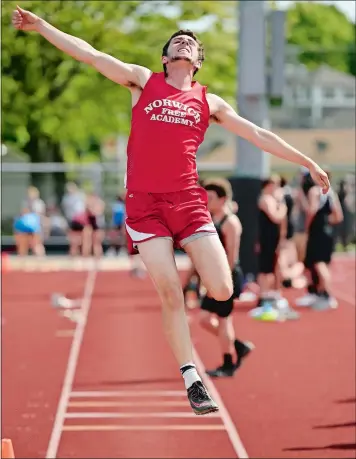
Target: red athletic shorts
{"x": 179, "y": 216}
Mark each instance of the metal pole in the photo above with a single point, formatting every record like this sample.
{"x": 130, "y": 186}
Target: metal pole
{"x": 252, "y": 103}
{"x": 252, "y": 164}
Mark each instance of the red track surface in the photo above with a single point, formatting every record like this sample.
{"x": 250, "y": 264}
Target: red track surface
{"x": 295, "y": 397}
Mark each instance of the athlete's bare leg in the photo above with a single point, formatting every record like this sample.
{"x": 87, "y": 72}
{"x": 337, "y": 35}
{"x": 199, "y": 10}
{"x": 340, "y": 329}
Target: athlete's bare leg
{"x": 209, "y": 258}
{"x": 98, "y": 237}
{"x": 158, "y": 257}
{"x": 22, "y": 243}
{"x": 209, "y": 322}
{"x": 226, "y": 335}
{"x": 75, "y": 240}
{"x": 221, "y": 327}
{"x": 324, "y": 276}
{"x": 87, "y": 241}
{"x": 37, "y": 246}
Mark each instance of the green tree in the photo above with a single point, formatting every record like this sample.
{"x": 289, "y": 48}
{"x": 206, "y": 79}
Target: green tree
{"x": 50, "y": 101}
{"x": 324, "y": 35}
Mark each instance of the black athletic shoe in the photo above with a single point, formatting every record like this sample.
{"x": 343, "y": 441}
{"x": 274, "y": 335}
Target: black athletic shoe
{"x": 200, "y": 400}
{"x": 242, "y": 350}
{"x": 222, "y": 372}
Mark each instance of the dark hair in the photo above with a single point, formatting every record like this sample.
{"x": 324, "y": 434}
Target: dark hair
{"x": 222, "y": 187}
{"x": 307, "y": 184}
{"x": 190, "y": 34}
{"x": 284, "y": 182}
{"x": 267, "y": 181}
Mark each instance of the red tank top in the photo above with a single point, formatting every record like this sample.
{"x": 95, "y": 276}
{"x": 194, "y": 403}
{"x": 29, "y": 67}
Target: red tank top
{"x": 167, "y": 127}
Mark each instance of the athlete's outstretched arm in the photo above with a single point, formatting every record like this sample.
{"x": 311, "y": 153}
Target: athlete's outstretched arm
{"x": 223, "y": 114}
{"x": 124, "y": 74}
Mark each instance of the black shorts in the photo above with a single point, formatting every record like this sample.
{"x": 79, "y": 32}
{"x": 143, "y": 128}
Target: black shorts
{"x": 95, "y": 222}
{"x": 224, "y": 308}
{"x": 290, "y": 231}
{"x": 76, "y": 226}
{"x": 319, "y": 249}
{"x": 267, "y": 258}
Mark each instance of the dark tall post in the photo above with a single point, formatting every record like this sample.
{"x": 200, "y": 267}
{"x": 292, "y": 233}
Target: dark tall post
{"x": 252, "y": 163}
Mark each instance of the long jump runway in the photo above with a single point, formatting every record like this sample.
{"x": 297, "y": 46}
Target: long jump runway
{"x": 109, "y": 387}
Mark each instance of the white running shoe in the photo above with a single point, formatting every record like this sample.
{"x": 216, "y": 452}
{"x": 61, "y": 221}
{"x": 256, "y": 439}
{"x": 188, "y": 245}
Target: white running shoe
{"x": 306, "y": 300}
{"x": 265, "y": 313}
{"x": 323, "y": 304}
{"x": 60, "y": 301}
{"x": 282, "y": 304}
{"x": 333, "y": 303}
{"x": 247, "y": 296}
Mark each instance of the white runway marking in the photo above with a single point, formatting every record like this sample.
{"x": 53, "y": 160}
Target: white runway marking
{"x": 67, "y": 396}
{"x": 129, "y": 393}
{"x": 161, "y": 414}
{"x": 111, "y": 428}
{"x": 103, "y": 404}
{"x": 71, "y": 367}
{"x": 225, "y": 416}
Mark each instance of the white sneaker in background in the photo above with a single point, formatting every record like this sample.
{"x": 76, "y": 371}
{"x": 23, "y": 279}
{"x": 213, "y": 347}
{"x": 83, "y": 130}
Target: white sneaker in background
{"x": 306, "y": 300}
{"x": 325, "y": 303}
{"x": 282, "y": 304}
{"x": 333, "y": 303}
{"x": 247, "y": 296}
{"x": 60, "y": 301}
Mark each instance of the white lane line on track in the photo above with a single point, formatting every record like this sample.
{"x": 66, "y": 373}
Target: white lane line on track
{"x": 71, "y": 366}
{"x": 67, "y": 392}
{"x": 128, "y": 393}
{"x": 224, "y": 414}
{"x": 159, "y": 414}
{"x": 116, "y": 404}
{"x": 147, "y": 427}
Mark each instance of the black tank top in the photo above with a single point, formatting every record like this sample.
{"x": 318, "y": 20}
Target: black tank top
{"x": 320, "y": 222}
{"x": 218, "y": 226}
{"x": 269, "y": 231}
{"x": 288, "y": 198}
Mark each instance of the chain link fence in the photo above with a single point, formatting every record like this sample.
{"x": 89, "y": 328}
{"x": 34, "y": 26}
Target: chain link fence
{"x": 106, "y": 179}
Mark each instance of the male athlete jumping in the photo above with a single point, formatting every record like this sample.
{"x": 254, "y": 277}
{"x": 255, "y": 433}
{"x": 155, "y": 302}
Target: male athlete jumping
{"x": 165, "y": 206}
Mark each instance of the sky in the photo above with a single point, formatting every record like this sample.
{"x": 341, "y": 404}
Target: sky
{"x": 347, "y": 7}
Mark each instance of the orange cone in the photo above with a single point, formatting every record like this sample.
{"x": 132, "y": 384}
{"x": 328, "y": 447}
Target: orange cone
{"x": 5, "y": 265}
{"x": 7, "y": 451}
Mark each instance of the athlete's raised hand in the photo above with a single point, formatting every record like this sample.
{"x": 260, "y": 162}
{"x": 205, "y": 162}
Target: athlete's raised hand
{"x": 320, "y": 177}
{"x": 24, "y": 20}
{"x": 129, "y": 75}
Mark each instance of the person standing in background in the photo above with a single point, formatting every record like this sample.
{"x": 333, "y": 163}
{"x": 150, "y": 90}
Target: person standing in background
{"x": 324, "y": 213}
{"x": 117, "y": 233}
{"x": 272, "y": 214}
{"x": 94, "y": 232}
{"x": 301, "y": 208}
{"x": 73, "y": 205}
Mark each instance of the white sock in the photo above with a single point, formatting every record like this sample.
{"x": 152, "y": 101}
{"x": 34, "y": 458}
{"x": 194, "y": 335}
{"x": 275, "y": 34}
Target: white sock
{"x": 189, "y": 373}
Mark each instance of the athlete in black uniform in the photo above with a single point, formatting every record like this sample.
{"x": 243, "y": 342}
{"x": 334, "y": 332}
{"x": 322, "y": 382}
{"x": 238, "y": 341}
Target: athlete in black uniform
{"x": 229, "y": 229}
{"x": 324, "y": 214}
{"x": 289, "y": 201}
{"x": 272, "y": 212}
{"x": 291, "y": 271}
